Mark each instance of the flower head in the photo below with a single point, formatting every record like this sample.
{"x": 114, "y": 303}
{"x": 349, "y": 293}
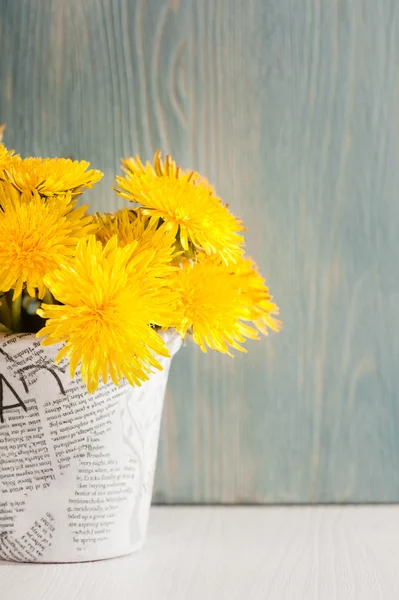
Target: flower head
{"x": 36, "y": 236}
{"x": 216, "y": 305}
{"x": 133, "y": 226}
{"x": 109, "y": 299}
{"x": 186, "y": 203}
{"x": 52, "y": 176}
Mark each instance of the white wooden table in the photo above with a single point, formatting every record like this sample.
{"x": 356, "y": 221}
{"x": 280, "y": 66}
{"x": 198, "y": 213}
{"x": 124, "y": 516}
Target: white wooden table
{"x": 237, "y": 553}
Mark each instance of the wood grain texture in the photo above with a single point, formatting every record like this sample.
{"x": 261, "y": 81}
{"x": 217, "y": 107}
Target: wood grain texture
{"x": 291, "y": 109}
{"x": 235, "y": 553}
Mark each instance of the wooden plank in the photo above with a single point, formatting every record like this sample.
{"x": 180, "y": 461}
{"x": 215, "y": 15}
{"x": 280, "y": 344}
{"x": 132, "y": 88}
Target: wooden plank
{"x": 291, "y": 109}
{"x": 295, "y": 117}
{"x": 284, "y": 553}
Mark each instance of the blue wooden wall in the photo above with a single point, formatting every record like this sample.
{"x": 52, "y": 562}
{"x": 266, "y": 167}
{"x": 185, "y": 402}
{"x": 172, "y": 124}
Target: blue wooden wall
{"x": 291, "y": 107}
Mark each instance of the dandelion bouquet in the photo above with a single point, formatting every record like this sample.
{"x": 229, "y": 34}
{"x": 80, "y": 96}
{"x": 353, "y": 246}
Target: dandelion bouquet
{"x": 104, "y": 286}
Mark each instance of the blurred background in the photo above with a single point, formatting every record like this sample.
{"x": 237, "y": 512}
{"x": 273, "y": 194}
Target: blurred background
{"x": 291, "y": 109}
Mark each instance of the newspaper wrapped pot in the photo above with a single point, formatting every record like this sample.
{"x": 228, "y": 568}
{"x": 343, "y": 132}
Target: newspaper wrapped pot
{"x": 76, "y": 470}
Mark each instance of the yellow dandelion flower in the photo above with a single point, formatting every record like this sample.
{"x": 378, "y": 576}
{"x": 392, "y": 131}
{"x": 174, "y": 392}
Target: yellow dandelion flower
{"x": 109, "y": 299}
{"x": 52, "y": 176}
{"x": 36, "y": 236}
{"x": 7, "y": 158}
{"x": 186, "y": 203}
{"x": 133, "y": 226}
{"x": 216, "y": 304}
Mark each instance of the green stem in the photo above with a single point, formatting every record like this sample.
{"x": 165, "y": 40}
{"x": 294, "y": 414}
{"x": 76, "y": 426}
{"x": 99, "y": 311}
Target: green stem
{"x": 16, "y": 308}
{"x": 48, "y": 297}
{"x": 5, "y": 317}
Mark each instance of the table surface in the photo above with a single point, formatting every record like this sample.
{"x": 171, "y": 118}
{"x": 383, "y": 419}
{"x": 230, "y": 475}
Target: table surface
{"x": 235, "y": 553}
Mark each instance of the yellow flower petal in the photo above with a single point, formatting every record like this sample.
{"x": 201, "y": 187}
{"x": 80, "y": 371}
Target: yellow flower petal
{"x": 7, "y": 159}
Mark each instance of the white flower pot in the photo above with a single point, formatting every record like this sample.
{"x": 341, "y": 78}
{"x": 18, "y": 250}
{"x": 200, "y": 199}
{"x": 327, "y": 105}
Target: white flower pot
{"x": 76, "y": 470}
